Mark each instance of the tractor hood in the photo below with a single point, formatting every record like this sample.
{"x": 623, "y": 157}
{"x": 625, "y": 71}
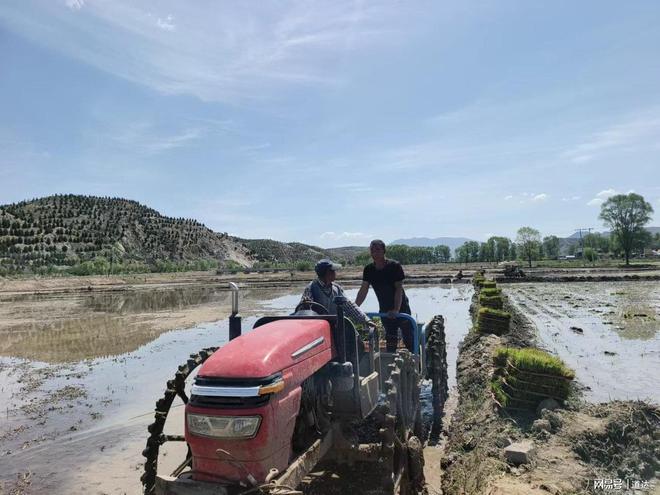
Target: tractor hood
{"x": 268, "y": 349}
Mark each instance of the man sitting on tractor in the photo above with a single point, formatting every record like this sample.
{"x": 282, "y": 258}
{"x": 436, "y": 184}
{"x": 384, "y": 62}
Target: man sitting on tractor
{"x": 323, "y": 291}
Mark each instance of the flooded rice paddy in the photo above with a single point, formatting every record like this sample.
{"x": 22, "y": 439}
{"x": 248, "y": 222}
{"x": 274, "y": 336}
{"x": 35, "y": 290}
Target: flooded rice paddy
{"x": 79, "y": 374}
{"x": 609, "y": 332}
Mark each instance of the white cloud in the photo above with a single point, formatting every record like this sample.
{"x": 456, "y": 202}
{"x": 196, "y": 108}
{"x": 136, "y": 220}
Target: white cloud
{"x": 166, "y": 24}
{"x": 540, "y": 197}
{"x": 336, "y": 236}
{"x": 216, "y": 52}
{"x": 606, "y": 193}
{"x": 572, "y": 198}
{"x": 146, "y": 138}
{"x": 601, "y": 196}
{"x": 355, "y": 187}
{"x": 507, "y": 198}
{"x": 639, "y": 132}
{"x": 75, "y": 4}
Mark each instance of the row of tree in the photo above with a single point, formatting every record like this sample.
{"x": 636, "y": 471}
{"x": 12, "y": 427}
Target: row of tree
{"x": 625, "y": 214}
{"x": 411, "y": 255}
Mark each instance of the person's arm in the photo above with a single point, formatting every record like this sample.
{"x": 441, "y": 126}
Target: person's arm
{"x": 354, "y": 312}
{"x": 398, "y": 296}
{"x": 306, "y": 295}
{"x": 362, "y": 293}
{"x": 398, "y": 290}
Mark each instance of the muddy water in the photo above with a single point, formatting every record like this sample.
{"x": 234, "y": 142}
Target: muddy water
{"x": 614, "y": 345}
{"x": 79, "y": 375}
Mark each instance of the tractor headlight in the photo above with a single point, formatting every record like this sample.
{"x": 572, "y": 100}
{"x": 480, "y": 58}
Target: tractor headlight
{"x": 223, "y": 426}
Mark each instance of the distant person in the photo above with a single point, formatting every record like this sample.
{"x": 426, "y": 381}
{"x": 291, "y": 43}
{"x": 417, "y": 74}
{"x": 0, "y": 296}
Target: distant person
{"x": 386, "y": 277}
{"x": 323, "y": 291}
{"x": 459, "y": 275}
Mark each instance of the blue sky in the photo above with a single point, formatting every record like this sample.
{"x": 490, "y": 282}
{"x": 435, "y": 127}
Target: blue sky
{"x": 334, "y": 122}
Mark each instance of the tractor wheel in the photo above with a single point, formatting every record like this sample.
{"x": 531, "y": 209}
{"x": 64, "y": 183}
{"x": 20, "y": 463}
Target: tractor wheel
{"x": 436, "y": 371}
{"x": 402, "y": 453}
{"x": 174, "y": 388}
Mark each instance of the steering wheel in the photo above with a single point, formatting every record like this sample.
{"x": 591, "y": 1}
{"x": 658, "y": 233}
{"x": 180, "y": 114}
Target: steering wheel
{"x": 314, "y": 306}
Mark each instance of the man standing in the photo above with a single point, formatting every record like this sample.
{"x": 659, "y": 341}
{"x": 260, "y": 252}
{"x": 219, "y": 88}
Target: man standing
{"x": 386, "y": 277}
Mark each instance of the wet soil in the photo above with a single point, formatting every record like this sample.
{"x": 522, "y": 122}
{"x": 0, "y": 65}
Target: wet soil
{"x": 601, "y": 330}
{"x": 80, "y": 373}
{"x": 583, "y": 443}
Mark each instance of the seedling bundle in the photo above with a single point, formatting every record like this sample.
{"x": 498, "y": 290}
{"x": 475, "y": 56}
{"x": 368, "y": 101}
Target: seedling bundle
{"x": 490, "y": 320}
{"x": 524, "y": 377}
{"x": 494, "y": 302}
{"x": 477, "y": 280}
{"x": 491, "y": 298}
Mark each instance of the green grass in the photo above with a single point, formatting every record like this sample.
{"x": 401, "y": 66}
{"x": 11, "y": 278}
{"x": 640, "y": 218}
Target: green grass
{"x": 533, "y": 360}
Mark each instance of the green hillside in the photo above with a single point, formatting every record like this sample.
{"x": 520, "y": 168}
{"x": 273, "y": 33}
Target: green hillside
{"x": 64, "y": 231}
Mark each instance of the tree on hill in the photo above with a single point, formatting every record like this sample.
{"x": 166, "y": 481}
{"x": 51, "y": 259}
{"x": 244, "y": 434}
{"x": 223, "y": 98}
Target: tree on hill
{"x": 529, "y": 243}
{"x": 626, "y": 215}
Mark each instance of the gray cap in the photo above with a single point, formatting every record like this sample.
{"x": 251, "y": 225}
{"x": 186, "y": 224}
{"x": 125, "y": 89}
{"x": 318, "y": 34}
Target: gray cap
{"x": 324, "y": 265}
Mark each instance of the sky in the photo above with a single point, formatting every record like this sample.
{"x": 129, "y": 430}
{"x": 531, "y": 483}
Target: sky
{"x": 335, "y": 122}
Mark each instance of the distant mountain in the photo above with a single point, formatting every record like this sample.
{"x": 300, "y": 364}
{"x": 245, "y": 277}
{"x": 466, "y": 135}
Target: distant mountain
{"x": 347, "y": 253}
{"x": 282, "y": 252}
{"x": 452, "y": 242}
{"x": 291, "y": 252}
{"x": 576, "y": 235}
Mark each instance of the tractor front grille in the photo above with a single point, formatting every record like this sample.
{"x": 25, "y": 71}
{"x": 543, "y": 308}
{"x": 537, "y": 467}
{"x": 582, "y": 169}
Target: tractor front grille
{"x": 243, "y": 398}
{"x": 229, "y": 402}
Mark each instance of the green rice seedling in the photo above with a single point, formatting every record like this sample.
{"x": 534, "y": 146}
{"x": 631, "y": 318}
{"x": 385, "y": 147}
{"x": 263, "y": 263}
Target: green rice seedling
{"x": 494, "y": 302}
{"x": 491, "y": 291}
{"x": 534, "y": 360}
{"x": 489, "y": 284}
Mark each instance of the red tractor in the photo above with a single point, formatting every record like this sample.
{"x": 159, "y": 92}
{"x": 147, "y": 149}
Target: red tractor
{"x": 268, "y": 406}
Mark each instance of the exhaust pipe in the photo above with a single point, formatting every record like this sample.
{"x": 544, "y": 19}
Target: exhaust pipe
{"x": 234, "y": 318}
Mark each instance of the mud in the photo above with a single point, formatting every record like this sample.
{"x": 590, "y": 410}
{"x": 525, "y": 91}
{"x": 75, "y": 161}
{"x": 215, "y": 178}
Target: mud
{"x": 601, "y": 330}
{"x": 75, "y": 414}
{"x": 579, "y": 445}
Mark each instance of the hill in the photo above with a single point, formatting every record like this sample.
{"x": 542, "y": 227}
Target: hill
{"x": 268, "y": 250}
{"x": 452, "y": 242}
{"x": 66, "y": 230}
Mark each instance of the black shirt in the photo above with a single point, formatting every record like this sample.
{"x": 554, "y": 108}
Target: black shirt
{"x": 383, "y": 281}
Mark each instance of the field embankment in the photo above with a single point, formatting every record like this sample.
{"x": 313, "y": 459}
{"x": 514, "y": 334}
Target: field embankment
{"x": 574, "y": 447}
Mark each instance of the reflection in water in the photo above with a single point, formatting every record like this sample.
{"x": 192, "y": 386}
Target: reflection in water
{"x": 110, "y": 424}
{"x": 156, "y": 300}
{"x": 620, "y": 337}
{"x": 75, "y": 339}
{"x": 69, "y": 328}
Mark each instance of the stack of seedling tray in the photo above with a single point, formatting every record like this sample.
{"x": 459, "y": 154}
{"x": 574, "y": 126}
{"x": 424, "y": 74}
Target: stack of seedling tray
{"x": 477, "y": 280}
{"x": 490, "y": 320}
{"x": 524, "y": 377}
{"x": 491, "y": 298}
